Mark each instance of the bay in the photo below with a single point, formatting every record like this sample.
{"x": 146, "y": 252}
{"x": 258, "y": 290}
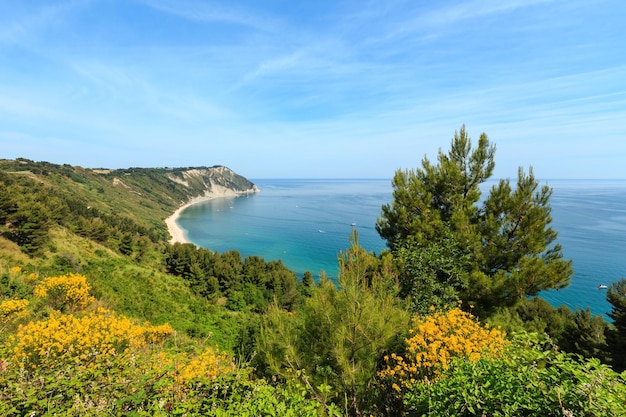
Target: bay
{"x": 304, "y": 223}
{"x": 307, "y": 222}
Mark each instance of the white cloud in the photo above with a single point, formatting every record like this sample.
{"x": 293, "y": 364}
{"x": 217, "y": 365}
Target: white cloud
{"x": 211, "y": 11}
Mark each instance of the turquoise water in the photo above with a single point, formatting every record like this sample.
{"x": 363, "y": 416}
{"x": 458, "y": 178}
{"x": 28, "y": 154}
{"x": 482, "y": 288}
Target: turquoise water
{"x": 305, "y": 223}
{"x": 590, "y": 217}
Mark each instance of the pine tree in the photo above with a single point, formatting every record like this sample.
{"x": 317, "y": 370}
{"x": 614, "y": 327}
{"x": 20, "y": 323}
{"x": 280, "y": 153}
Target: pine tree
{"x": 502, "y": 247}
{"x": 334, "y": 343}
{"x": 616, "y": 295}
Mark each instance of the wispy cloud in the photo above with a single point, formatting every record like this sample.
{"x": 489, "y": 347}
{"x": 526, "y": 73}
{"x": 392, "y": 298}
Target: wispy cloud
{"x": 28, "y": 20}
{"x": 212, "y": 11}
{"x": 326, "y": 88}
{"x": 429, "y": 23}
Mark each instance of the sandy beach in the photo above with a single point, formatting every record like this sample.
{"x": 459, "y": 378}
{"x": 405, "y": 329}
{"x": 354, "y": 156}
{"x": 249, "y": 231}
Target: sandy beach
{"x": 177, "y": 234}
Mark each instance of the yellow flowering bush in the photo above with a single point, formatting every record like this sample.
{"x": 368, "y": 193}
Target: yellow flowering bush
{"x": 69, "y": 291}
{"x": 33, "y": 276}
{"x": 94, "y": 336}
{"x": 184, "y": 369}
{"x": 157, "y": 334}
{"x": 15, "y": 269}
{"x": 12, "y": 309}
{"x": 434, "y": 340}
{"x": 177, "y": 375}
{"x": 207, "y": 365}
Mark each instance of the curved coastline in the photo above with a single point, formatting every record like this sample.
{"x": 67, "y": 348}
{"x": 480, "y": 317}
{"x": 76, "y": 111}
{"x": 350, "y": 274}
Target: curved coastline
{"x": 176, "y": 232}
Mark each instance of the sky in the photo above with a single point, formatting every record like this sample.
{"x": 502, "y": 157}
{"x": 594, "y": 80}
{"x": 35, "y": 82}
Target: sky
{"x": 314, "y": 89}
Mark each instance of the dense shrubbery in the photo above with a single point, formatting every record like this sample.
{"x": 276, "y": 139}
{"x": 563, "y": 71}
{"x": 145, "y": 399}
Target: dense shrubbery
{"x": 248, "y": 284}
{"x": 94, "y": 362}
{"x": 339, "y": 352}
{"x": 87, "y": 292}
{"x": 531, "y": 379}
{"x": 437, "y": 339}
{"x": 147, "y": 383}
{"x": 328, "y": 357}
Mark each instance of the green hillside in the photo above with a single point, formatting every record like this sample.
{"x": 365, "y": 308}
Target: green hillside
{"x": 135, "y": 199}
{"x": 101, "y": 315}
{"x": 109, "y": 225}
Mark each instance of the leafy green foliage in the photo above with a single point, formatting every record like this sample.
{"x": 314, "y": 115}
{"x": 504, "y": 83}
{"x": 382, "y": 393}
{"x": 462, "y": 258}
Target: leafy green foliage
{"x": 578, "y": 332}
{"x": 585, "y": 334}
{"x": 533, "y": 379}
{"x": 432, "y": 274}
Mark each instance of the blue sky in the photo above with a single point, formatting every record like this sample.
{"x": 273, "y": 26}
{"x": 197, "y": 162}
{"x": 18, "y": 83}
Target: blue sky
{"x": 297, "y": 89}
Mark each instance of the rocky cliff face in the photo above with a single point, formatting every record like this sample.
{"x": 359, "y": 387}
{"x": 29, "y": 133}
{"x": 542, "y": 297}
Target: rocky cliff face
{"x": 178, "y": 186}
{"x": 212, "y": 182}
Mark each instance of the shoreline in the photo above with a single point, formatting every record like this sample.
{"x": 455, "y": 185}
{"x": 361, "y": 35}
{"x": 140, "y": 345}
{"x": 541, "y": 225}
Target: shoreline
{"x": 177, "y": 234}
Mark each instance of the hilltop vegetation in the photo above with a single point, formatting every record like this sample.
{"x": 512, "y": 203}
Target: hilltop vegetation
{"x": 109, "y": 225}
{"x": 100, "y": 315}
{"x": 117, "y": 208}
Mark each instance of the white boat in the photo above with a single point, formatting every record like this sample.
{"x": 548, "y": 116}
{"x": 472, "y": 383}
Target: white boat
{"x": 602, "y": 287}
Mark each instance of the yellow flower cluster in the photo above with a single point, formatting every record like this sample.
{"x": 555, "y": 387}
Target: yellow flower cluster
{"x": 209, "y": 364}
{"x": 157, "y": 334}
{"x": 12, "y": 309}
{"x": 71, "y": 291}
{"x": 180, "y": 372}
{"x": 435, "y": 340}
{"x": 94, "y": 336}
{"x": 33, "y": 276}
{"x": 15, "y": 269}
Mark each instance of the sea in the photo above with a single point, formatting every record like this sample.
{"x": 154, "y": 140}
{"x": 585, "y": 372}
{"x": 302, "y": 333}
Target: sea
{"x": 306, "y": 223}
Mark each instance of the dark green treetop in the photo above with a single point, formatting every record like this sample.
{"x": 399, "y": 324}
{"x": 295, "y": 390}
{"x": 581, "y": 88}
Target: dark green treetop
{"x": 616, "y": 295}
{"x": 494, "y": 251}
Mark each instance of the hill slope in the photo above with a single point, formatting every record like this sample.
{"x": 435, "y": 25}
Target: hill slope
{"x": 109, "y": 225}
{"x": 101, "y": 204}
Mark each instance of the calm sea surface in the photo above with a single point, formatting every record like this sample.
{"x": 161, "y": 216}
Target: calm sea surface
{"x": 305, "y": 223}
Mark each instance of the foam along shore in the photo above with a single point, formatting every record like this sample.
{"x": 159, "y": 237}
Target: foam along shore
{"x": 176, "y": 232}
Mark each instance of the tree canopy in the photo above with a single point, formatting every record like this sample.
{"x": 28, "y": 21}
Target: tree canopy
{"x": 616, "y": 295}
{"x": 334, "y": 343}
{"x": 490, "y": 251}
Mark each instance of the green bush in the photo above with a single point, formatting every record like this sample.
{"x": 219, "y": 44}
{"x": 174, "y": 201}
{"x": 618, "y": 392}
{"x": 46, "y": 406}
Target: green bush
{"x": 151, "y": 383}
{"x": 533, "y": 380}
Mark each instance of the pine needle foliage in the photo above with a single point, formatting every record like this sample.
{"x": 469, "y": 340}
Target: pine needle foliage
{"x": 502, "y": 244}
{"x": 335, "y": 342}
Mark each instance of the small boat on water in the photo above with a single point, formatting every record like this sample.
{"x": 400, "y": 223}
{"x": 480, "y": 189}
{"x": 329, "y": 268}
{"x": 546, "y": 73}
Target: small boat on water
{"x": 602, "y": 287}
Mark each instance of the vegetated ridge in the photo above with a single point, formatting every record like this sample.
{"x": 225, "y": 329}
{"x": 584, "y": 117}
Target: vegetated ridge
{"x": 101, "y": 315}
{"x": 108, "y": 224}
{"x": 141, "y": 197}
